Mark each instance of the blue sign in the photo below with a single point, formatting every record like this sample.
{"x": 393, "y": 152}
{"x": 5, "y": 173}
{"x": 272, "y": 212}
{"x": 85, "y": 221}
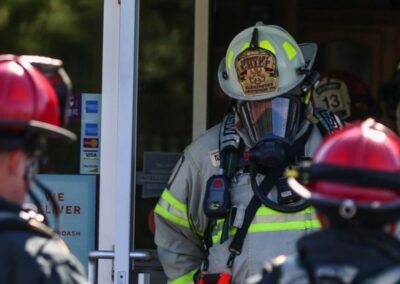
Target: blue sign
{"x": 76, "y": 198}
{"x": 91, "y": 129}
{"x": 92, "y": 106}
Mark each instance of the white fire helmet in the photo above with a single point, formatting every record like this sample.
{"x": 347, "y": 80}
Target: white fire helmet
{"x": 263, "y": 62}
{"x": 332, "y": 94}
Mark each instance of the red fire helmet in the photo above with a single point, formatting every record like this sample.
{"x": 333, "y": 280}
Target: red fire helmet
{"x": 354, "y": 174}
{"x": 27, "y": 100}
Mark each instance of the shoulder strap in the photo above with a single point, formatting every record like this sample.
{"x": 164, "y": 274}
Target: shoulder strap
{"x": 25, "y": 221}
{"x": 229, "y": 145}
{"x": 237, "y": 243}
{"x": 229, "y": 149}
{"x": 228, "y": 136}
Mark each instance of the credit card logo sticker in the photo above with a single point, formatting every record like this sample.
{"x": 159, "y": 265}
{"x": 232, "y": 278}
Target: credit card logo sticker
{"x": 91, "y": 129}
{"x": 90, "y": 142}
{"x": 92, "y": 106}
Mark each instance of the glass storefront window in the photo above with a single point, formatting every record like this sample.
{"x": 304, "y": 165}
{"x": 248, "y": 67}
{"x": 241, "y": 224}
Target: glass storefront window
{"x": 165, "y": 91}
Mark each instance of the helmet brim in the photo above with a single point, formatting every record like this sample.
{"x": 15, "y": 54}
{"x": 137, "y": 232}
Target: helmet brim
{"x": 365, "y": 213}
{"x": 49, "y": 130}
{"x": 309, "y": 51}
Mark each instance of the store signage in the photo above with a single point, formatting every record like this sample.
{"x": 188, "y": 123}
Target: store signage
{"x": 157, "y": 168}
{"x": 90, "y": 134}
{"x": 76, "y": 205}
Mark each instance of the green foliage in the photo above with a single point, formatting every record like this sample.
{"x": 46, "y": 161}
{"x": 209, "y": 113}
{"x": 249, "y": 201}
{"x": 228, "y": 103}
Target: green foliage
{"x": 166, "y": 67}
{"x": 66, "y": 29}
{"x": 71, "y": 30}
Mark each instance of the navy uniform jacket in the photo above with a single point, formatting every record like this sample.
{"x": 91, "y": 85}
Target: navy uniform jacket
{"x": 30, "y": 252}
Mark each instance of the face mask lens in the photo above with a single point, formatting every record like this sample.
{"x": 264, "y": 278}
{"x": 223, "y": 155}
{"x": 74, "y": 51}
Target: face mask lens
{"x": 277, "y": 117}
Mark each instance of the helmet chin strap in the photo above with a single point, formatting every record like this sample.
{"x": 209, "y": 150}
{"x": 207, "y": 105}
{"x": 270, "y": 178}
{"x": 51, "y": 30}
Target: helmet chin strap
{"x": 29, "y": 177}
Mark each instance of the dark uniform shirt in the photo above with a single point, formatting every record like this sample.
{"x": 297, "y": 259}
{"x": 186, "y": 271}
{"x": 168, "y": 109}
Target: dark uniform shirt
{"x": 31, "y": 252}
{"x": 351, "y": 255}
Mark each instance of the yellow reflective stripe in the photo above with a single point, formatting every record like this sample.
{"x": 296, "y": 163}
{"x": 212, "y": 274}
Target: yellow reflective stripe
{"x": 272, "y": 227}
{"x": 184, "y": 279}
{"x": 263, "y": 210}
{"x": 267, "y": 211}
{"x": 164, "y": 204}
{"x": 245, "y": 45}
{"x": 310, "y": 210}
{"x": 280, "y": 218}
{"x": 229, "y": 59}
{"x": 290, "y": 50}
{"x": 168, "y": 197}
{"x": 267, "y": 220}
{"x": 284, "y": 226}
{"x": 266, "y": 45}
{"x": 217, "y": 230}
{"x": 217, "y": 236}
{"x": 170, "y": 217}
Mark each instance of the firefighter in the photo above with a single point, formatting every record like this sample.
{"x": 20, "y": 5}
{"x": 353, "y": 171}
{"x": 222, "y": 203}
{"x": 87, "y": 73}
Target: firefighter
{"x": 390, "y": 93}
{"x": 346, "y": 95}
{"x": 30, "y": 252}
{"x": 226, "y": 206}
{"x": 353, "y": 182}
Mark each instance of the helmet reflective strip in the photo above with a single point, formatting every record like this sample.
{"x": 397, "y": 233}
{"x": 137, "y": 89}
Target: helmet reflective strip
{"x": 246, "y": 45}
{"x": 229, "y": 59}
{"x": 267, "y": 45}
{"x": 290, "y": 50}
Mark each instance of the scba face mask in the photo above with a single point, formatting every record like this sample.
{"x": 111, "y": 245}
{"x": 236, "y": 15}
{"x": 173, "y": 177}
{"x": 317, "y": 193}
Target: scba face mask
{"x": 277, "y": 118}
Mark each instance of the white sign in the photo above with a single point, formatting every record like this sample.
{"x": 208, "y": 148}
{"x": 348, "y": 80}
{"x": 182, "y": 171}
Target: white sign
{"x": 76, "y": 205}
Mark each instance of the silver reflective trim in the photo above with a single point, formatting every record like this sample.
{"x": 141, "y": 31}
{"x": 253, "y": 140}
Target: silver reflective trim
{"x": 281, "y": 218}
{"x": 167, "y": 206}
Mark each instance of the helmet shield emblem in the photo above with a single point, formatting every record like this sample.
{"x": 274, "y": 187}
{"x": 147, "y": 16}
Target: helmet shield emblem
{"x": 257, "y": 71}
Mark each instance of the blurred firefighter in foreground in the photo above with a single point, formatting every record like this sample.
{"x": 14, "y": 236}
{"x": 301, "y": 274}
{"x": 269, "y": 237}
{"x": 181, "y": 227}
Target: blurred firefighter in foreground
{"x": 227, "y": 207}
{"x": 30, "y": 113}
{"x": 353, "y": 182}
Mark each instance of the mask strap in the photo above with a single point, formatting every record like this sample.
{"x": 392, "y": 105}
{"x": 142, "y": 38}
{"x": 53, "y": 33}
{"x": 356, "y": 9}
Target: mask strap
{"x": 30, "y": 176}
